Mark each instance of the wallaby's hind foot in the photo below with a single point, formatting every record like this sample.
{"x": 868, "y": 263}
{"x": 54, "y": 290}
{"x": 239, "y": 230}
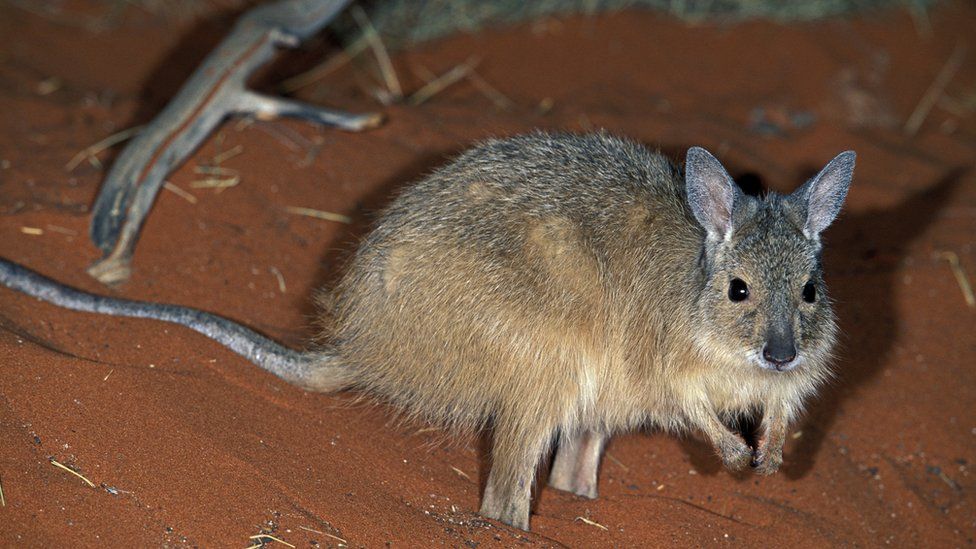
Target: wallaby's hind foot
{"x": 577, "y": 461}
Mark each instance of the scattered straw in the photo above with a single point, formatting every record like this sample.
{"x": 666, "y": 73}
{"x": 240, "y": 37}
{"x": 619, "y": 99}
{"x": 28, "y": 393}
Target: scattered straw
{"x": 216, "y": 182}
{"x": 214, "y": 170}
{"x": 281, "y": 279}
{"x": 180, "y": 192}
{"x": 62, "y": 230}
{"x": 460, "y": 472}
{"x": 72, "y": 471}
{"x": 318, "y": 214}
{"x": 592, "y": 523}
{"x": 272, "y": 538}
{"x": 952, "y": 484}
{"x": 379, "y": 51}
{"x": 935, "y": 90}
{"x": 961, "y": 278}
{"x": 108, "y": 374}
{"x": 501, "y": 101}
{"x": 33, "y": 231}
{"x": 324, "y": 69}
{"x": 49, "y": 85}
{"x": 227, "y": 155}
{"x": 442, "y": 82}
{"x": 337, "y": 538}
{"x": 3, "y": 502}
{"x": 617, "y": 461}
{"x": 91, "y": 151}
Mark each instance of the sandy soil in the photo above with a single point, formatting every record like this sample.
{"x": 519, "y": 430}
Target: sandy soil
{"x": 187, "y": 444}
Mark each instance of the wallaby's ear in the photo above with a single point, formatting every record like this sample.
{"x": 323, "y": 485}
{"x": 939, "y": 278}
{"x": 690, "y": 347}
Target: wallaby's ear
{"x": 824, "y": 194}
{"x": 711, "y": 193}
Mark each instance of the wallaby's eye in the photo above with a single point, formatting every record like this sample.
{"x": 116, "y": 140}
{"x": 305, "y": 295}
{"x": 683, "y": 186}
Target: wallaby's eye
{"x": 738, "y": 290}
{"x": 809, "y": 292}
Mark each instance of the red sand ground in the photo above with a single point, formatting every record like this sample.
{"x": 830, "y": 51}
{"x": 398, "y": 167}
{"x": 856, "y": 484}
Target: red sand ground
{"x": 190, "y": 445}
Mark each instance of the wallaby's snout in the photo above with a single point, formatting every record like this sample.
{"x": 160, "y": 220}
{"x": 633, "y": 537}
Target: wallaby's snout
{"x": 779, "y": 351}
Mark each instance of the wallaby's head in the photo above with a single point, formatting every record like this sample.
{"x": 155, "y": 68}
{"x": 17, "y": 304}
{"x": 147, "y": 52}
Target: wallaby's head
{"x": 764, "y": 300}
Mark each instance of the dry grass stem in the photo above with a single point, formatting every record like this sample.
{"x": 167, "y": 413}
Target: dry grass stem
{"x": 592, "y": 523}
{"x": 3, "y": 501}
{"x": 33, "y": 231}
{"x": 108, "y": 374}
{"x": 62, "y": 230}
{"x": 617, "y": 461}
{"x": 91, "y": 151}
{"x": 501, "y": 101}
{"x": 318, "y": 214}
{"x": 326, "y": 68}
{"x": 935, "y": 90}
{"x": 961, "y": 278}
{"x": 337, "y": 538}
{"x": 279, "y": 277}
{"x": 216, "y": 182}
{"x": 214, "y": 170}
{"x": 272, "y": 538}
{"x": 179, "y": 192}
{"x": 460, "y": 472}
{"x": 379, "y": 51}
{"x": 226, "y": 155}
{"x": 439, "y": 84}
{"x": 72, "y": 471}
{"x": 49, "y": 86}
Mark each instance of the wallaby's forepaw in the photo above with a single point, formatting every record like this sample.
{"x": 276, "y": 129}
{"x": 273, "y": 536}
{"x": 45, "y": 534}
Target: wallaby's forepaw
{"x": 735, "y": 453}
{"x": 766, "y": 460}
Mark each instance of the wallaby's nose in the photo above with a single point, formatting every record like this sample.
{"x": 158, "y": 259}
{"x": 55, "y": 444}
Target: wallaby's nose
{"x": 779, "y": 350}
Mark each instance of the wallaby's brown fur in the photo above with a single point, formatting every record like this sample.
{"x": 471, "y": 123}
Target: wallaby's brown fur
{"x": 564, "y": 287}
{"x": 558, "y": 285}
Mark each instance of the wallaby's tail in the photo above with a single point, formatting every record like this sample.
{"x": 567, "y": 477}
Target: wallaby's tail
{"x": 317, "y": 371}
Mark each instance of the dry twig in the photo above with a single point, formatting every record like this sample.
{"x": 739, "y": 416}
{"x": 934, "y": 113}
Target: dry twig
{"x": 92, "y": 150}
{"x": 272, "y": 538}
{"x": 379, "y": 51}
{"x": 321, "y": 71}
{"x": 935, "y": 90}
{"x": 318, "y": 214}
{"x": 592, "y": 523}
{"x": 437, "y": 85}
{"x": 180, "y": 192}
{"x": 72, "y": 471}
{"x": 961, "y": 278}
